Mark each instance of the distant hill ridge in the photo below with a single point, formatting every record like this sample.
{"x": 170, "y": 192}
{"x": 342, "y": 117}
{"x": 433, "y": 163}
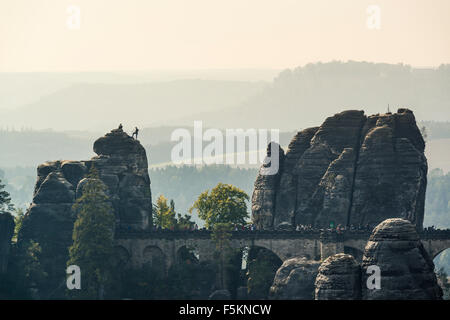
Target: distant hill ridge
{"x": 295, "y": 99}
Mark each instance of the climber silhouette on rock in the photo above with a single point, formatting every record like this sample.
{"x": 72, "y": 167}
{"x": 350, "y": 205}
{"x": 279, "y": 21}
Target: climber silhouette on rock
{"x": 135, "y": 133}
{"x": 120, "y": 127}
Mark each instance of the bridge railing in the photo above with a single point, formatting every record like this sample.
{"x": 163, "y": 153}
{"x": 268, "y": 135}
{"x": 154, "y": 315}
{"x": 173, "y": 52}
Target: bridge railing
{"x": 435, "y": 234}
{"x": 241, "y": 234}
{"x": 272, "y": 234}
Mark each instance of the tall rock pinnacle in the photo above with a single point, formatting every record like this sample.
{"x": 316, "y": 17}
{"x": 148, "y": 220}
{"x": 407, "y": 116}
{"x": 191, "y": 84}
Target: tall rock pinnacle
{"x": 121, "y": 162}
{"x": 352, "y": 170}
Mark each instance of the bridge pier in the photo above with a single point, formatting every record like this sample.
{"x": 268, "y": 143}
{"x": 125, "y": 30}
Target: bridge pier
{"x": 206, "y": 251}
{"x": 330, "y": 244}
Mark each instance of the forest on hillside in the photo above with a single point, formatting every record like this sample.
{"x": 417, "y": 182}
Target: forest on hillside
{"x": 437, "y": 201}
{"x": 285, "y": 102}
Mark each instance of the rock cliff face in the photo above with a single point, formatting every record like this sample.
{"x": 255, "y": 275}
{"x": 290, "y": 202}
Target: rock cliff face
{"x": 339, "y": 278}
{"x": 121, "y": 163}
{"x": 263, "y": 198}
{"x": 123, "y": 167}
{"x": 407, "y": 272}
{"x": 294, "y": 280}
{"x": 6, "y": 232}
{"x": 353, "y": 169}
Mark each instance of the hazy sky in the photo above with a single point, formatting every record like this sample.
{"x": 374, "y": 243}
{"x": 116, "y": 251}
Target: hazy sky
{"x": 120, "y": 35}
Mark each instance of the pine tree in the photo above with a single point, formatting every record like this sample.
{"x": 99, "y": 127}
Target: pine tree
{"x": 93, "y": 235}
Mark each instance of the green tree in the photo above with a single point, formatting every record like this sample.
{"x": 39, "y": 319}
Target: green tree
{"x": 164, "y": 214}
{"x": 18, "y": 220}
{"x": 32, "y": 275}
{"x": 184, "y": 222}
{"x": 5, "y": 200}
{"x": 26, "y": 273}
{"x": 224, "y": 204}
{"x": 93, "y": 232}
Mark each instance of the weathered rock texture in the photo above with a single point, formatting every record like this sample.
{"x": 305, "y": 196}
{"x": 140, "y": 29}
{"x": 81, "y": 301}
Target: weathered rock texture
{"x": 339, "y": 278}
{"x": 294, "y": 280}
{"x": 121, "y": 163}
{"x": 263, "y": 197}
{"x": 352, "y": 170}
{"x": 407, "y": 272}
{"x": 6, "y": 232}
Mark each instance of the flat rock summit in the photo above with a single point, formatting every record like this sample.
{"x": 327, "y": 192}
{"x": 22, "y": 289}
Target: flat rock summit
{"x": 352, "y": 170}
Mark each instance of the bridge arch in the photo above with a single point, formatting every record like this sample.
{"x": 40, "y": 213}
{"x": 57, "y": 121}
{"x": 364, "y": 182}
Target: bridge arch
{"x": 435, "y": 246}
{"x": 438, "y": 252}
{"x": 442, "y": 259}
{"x": 255, "y": 250}
{"x": 186, "y": 253}
{"x": 121, "y": 257}
{"x": 153, "y": 257}
{"x": 262, "y": 265}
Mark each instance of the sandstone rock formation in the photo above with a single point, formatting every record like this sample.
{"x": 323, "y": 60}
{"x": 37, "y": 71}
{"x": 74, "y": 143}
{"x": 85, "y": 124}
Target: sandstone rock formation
{"x": 123, "y": 167}
{"x": 339, "y": 278}
{"x": 352, "y": 170}
{"x": 294, "y": 280}
{"x": 407, "y": 272}
{"x": 121, "y": 162}
{"x": 263, "y": 198}
{"x": 6, "y": 232}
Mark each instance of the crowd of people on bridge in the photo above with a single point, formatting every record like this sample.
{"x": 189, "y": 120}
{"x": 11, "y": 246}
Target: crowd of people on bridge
{"x": 252, "y": 227}
{"x": 433, "y": 229}
{"x": 193, "y": 227}
{"x": 306, "y": 228}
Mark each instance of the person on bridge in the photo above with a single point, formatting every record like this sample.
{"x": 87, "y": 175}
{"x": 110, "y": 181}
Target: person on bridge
{"x": 135, "y": 133}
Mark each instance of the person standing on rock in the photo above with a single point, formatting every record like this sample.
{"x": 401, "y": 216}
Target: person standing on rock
{"x": 135, "y": 133}
{"x": 120, "y": 126}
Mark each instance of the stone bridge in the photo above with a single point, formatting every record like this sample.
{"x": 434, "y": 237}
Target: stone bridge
{"x": 138, "y": 248}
